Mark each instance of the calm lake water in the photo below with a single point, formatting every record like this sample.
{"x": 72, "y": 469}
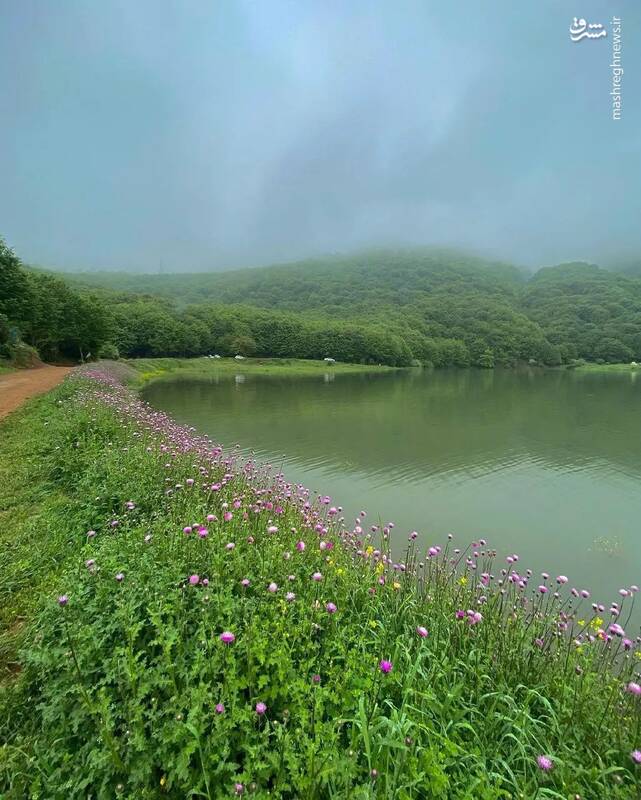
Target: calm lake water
{"x": 541, "y": 463}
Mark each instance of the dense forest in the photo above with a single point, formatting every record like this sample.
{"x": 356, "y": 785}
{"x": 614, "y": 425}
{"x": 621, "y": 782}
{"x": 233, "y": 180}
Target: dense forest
{"x": 393, "y": 307}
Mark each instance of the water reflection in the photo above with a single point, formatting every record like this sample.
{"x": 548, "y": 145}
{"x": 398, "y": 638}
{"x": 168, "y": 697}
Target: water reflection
{"x": 544, "y": 462}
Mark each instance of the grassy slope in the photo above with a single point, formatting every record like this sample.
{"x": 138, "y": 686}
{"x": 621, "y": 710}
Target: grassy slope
{"x": 116, "y": 693}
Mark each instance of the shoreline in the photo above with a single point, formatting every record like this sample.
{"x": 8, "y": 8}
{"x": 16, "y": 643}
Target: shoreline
{"x": 146, "y": 535}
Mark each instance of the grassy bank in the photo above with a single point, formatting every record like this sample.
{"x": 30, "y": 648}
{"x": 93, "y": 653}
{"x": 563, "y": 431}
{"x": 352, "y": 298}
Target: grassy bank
{"x": 178, "y": 623}
{"x": 155, "y": 368}
{"x": 608, "y": 368}
{"x": 6, "y": 367}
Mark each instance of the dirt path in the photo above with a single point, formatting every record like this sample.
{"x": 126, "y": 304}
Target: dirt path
{"x": 19, "y": 386}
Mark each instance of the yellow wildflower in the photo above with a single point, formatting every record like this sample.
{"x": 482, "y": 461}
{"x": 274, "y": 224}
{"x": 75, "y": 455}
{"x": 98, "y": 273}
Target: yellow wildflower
{"x": 463, "y": 580}
{"x": 396, "y": 585}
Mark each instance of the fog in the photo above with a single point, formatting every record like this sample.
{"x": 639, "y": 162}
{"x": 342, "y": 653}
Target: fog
{"x": 207, "y": 134}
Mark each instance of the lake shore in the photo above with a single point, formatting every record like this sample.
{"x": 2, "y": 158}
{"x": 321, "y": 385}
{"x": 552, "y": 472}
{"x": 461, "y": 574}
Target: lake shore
{"x": 209, "y": 628}
{"x": 152, "y": 369}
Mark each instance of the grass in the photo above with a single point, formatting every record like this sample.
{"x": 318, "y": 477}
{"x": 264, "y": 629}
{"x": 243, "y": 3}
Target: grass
{"x": 6, "y": 367}
{"x": 155, "y": 368}
{"x": 608, "y": 368}
{"x": 126, "y": 541}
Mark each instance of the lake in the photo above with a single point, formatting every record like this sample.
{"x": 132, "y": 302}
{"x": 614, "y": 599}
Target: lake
{"x": 545, "y": 464}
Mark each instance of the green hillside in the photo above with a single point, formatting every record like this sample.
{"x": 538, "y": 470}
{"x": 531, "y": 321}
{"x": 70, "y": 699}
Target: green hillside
{"x": 438, "y": 307}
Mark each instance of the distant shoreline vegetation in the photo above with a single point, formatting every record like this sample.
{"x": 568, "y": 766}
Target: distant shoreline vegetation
{"x": 397, "y": 308}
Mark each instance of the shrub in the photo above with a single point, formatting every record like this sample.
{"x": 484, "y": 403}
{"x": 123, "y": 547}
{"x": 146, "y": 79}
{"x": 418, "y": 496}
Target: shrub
{"x": 109, "y": 350}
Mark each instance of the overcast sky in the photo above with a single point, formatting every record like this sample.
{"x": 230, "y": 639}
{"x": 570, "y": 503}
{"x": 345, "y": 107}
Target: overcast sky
{"x": 202, "y": 134}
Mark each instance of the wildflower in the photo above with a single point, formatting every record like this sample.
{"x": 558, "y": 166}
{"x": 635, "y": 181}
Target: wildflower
{"x": 544, "y": 763}
{"x": 422, "y": 632}
{"x": 543, "y": 589}
{"x": 635, "y": 755}
{"x": 272, "y": 529}
{"x": 239, "y": 788}
{"x": 561, "y": 579}
{"x": 374, "y": 774}
{"x": 245, "y": 582}
{"x": 120, "y": 577}
{"x": 220, "y": 708}
{"x": 633, "y": 688}
{"x": 460, "y": 614}
{"x": 230, "y": 546}
{"x": 227, "y": 637}
{"x": 330, "y": 608}
{"x": 63, "y": 600}
{"x": 300, "y": 546}
{"x": 260, "y": 708}
{"x": 385, "y": 666}
{"x": 290, "y": 597}
{"x": 316, "y": 678}
{"x": 273, "y": 587}
{"x": 317, "y": 576}
{"x": 187, "y": 530}
{"x": 228, "y": 516}
{"x": 194, "y": 580}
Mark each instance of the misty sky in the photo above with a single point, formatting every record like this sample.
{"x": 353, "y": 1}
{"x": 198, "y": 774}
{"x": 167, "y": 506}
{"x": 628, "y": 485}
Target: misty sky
{"x": 195, "y": 134}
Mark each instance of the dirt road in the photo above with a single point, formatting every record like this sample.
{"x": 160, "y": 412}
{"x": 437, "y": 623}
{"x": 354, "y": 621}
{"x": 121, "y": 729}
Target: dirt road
{"x": 19, "y": 386}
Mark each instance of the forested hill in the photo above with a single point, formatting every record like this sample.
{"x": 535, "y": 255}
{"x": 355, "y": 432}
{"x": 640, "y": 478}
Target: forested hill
{"x": 394, "y": 307}
{"x": 374, "y": 277}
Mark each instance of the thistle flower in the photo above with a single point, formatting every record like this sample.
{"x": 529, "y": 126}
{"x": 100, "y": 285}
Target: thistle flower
{"x": 330, "y": 608}
{"x": 63, "y": 600}
{"x": 194, "y": 580}
{"x": 317, "y": 576}
{"x": 120, "y": 577}
{"x": 227, "y": 637}
{"x": 421, "y": 631}
{"x": 633, "y": 688}
{"x": 220, "y": 708}
{"x": 544, "y": 763}
{"x": 260, "y": 708}
{"x": 290, "y": 597}
{"x": 300, "y": 546}
{"x": 635, "y": 755}
{"x": 385, "y": 666}
{"x": 273, "y": 587}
